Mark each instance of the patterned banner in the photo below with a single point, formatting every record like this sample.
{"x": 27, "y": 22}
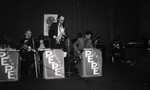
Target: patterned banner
{"x": 48, "y": 20}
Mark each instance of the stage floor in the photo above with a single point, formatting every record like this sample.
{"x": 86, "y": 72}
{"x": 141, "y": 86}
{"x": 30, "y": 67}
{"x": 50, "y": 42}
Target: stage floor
{"x": 115, "y": 77}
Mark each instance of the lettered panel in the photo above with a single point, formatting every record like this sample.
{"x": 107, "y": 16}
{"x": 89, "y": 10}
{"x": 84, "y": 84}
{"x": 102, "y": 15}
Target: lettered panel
{"x": 91, "y": 63}
{"x": 8, "y": 65}
{"x": 53, "y": 64}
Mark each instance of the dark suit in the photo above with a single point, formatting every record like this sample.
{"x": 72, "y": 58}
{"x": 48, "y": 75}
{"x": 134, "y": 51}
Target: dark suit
{"x": 116, "y": 51}
{"x": 27, "y": 55}
{"x": 25, "y": 51}
{"x": 53, "y": 31}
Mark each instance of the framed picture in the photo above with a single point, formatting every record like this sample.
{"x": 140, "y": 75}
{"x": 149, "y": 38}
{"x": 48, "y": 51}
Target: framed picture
{"x": 48, "y": 20}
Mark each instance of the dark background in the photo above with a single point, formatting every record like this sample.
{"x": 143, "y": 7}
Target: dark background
{"x": 105, "y": 18}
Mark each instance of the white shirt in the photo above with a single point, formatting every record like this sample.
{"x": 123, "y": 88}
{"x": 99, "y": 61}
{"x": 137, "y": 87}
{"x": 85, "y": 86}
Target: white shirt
{"x": 61, "y": 30}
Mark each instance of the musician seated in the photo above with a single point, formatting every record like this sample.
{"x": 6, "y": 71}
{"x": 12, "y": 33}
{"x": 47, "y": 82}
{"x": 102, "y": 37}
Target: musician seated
{"x": 26, "y": 52}
{"x": 116, "y": 49}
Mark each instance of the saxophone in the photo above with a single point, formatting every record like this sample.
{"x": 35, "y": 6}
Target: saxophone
{"x": 60, "y": 38}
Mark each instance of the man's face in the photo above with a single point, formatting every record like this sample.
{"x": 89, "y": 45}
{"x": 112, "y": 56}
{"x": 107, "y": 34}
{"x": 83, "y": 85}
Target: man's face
{"x": 88, "y": 36}
{"x": 28, "y": 34}
{"x": 61, "y": 19}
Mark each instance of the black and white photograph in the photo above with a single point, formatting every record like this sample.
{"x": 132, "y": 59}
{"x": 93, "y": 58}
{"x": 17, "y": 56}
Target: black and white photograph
{"x": 75, "y": 45}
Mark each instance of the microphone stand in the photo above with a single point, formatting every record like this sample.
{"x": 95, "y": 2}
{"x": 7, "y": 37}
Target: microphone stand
{"x": 35, "y": 59}
{"x": 68, "y": 57}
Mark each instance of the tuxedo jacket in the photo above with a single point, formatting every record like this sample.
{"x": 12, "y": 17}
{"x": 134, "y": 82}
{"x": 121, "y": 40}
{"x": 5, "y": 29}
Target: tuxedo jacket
{"x": 28, "y": 42}
{"x": 53, "y": 31}
{"x": 24, "y": 53}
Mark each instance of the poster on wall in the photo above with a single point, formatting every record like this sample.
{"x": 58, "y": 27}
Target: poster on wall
{"x": 48, "y": 20}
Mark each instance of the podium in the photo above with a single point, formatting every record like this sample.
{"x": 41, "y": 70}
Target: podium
{"x": 53, "y": 64}
{"x": 91, "y": 63}
{"x": 9, "y": 65}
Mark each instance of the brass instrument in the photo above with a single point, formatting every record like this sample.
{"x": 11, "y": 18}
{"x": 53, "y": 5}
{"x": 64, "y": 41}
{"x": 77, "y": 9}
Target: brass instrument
{"x": 60, "y": 38}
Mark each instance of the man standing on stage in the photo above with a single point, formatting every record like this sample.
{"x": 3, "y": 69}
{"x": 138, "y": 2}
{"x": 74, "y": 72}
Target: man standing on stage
{"x": 57, "y": 34}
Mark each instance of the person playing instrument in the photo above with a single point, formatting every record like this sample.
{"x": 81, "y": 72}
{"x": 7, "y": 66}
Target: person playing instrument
{"x": 97, "y": 42}
{"x": 26, "y": 46}
{"x": 116, "y": 49}
{"x": 116, "y": 45}
{"x": 83, "y": 42}
{"x": 57, "y": 34}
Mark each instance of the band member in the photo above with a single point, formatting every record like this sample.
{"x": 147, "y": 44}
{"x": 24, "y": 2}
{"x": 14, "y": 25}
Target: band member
{"x": 116, "y": 49}
{"x": 57, "y": 34}
{"x": 97, "y": 42}
{"x": 83, "y": 42}
{"x": 26, "y": 46}
{"x": 116, "y": 45}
